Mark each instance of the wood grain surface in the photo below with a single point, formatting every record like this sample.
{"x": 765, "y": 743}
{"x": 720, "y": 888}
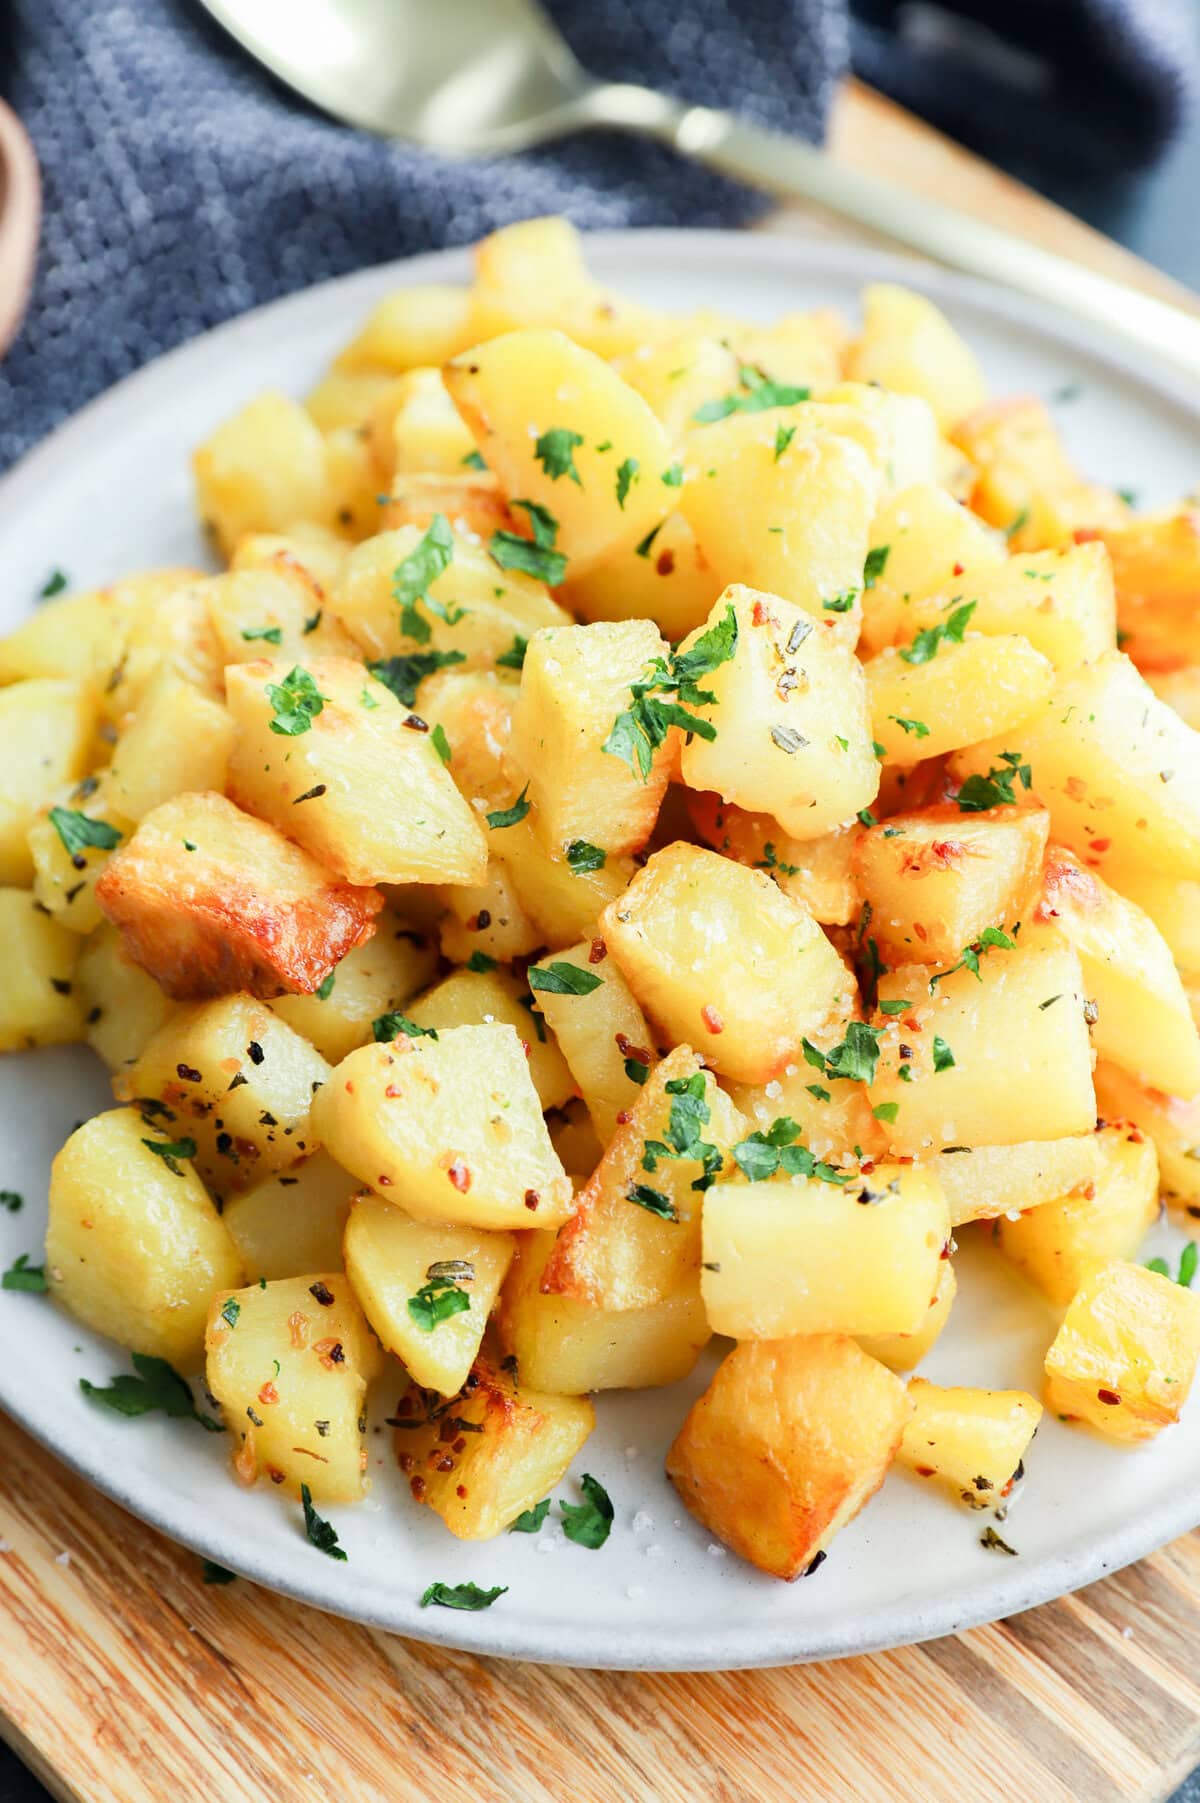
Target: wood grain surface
{"x": 124, "y": 1677}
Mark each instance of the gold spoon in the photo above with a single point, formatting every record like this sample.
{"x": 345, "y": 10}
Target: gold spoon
{"x": 482, "y": 77}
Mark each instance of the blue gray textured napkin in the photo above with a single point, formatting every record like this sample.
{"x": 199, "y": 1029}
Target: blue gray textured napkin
{"x": 182, "y": 185}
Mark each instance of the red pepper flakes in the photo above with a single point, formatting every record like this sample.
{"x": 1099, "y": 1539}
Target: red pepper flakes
{"x": 276, "y": 1476}
{"x": 627, "y": 1049}
{"x": 532, "y": 1198}
{"x": 712, "y": 1020}
{"x": 407, "y": 1462}
{"x": 417, "y": 1486}
{"x": 924, "y": 1470}
{"x": 959, "y": 568}
{"x": 623, "y": 1117}
{"x": 665, "y": 563}
{"x": 460, "y": 1490}
{"x": 1108, "y": 1396}
{"x": 598, "y": 953}
{"x": 268, "y": 1393}
{"x": 459, "y": 1176}
{"x": 383, "y": 1180}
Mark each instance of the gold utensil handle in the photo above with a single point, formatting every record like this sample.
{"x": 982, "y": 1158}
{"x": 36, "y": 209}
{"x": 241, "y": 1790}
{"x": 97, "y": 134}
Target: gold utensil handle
{"x": 788, "y": 166}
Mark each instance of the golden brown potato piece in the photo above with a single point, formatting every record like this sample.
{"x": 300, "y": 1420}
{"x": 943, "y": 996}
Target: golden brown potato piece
{"x": 788, "y": 1442}
{"x": 210, "y": 900}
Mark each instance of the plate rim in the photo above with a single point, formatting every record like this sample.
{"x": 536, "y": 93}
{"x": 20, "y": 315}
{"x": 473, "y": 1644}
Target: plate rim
{"x": 755, "y": 1644}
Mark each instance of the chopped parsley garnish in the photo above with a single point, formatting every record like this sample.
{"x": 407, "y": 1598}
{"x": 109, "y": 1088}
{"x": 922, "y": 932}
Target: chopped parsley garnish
{"x": 755, "y": 393}
{"x": 588, "y": 1523}
{"x": 911, "y": 726}
{"x": 297, "y": 702}
{"x": 841, "y": 604}
{"x": 783, "y": 438}
{"x": 771, "y": 860}
{"x": 1188, "y": 1260}
{"x": 171, "y": 1151}
{"x": 11, "y": 1201}
{"x": 313, "y": 621}
{"x": 404, "y": 675}
{"x": 886, "y": 1111}
{"x": 78, "y": 831}
{"x": 415, "y": 574}
{"x": 652, "y": 1200}
{"x": 875, "y": 565}
{"x": 480, "y": 963}
{"x": 636, "y": 1070}
{"x": 514, "y": 815}
{"x": 530, "y": 1520}
{"x": 514, "y": 657}
{"x": 387, "y": 1027}
{"x": 688, "y": 1113}
{"x": 271, "y": 635}
{"x": 21, "y": 1275}
{"x": 943, "y": 1057}
{"x": 473, "y": 461}
{"x": 1016, "y": 523}
{"x": 995, "y": 790}
{"x": 231, "y": 1310}
{"x": 157, "y": 1388}
{"x": 366, "y": 699}
{"x": 626, "y": 474}
{"x": 926, "y": 644}
{"x": 561, "y": 978}
{"x": 54, "y": 584}
{"x": 539, "y": 558}
{"x": 321, "y": 1533}
{"x": 462, "y": 1596}
{"x": 324, "y": 990}
{"x": 762, "y": 1154}
{"x": 866, "y": 818}
{"x": 441, "y": 1296}
{"x": 555, "y": 451}
{"x": 854, "y": 1059}
{"x": 582, "y": 856}
{"x": 441, "y": 743}
{"x": 642, "y": 728}
{"x": 643, "y": 548}
{"x": 672, "y": 477}
{"x": 971, "y": 954}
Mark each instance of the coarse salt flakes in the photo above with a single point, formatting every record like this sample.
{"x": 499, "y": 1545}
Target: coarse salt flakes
{"x": 715, "y": 1551}
{"x": 643, "y": 1521}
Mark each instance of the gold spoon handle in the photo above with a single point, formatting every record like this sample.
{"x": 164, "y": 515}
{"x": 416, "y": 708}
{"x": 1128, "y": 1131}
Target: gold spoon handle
{"x": 791, "y": 167}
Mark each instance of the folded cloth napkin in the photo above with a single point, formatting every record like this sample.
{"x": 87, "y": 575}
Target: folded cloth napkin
{"x": 182, "y": 185}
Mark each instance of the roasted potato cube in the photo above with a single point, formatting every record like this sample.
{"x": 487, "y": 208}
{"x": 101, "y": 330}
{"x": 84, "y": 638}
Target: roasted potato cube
{"x": 415, "y": 426}
{"x": 792, "y": 730}
{"x": 1171, "y": 1122}
{"x": 279, "y": 606}
{"x": 289, "y": 1362}
{"x": 489, "y": 1453}
{"x": 818, "y": 873}
{"x": 803, "y": 1255}
{"x": 449, "y": 1126}
{"x": 832, "y": 1117}
{"x": 988, "y": 1063}
{"x": 936, "y": 880}
{"x": 666, "y": 578}
{"x": 169, "y": 626}
{"x": 561, "y": 897}
{"x": 487, "y": 920}
{"x": 922, "y": 540}
{"x": 46, "y": 726}
{"x": 1025, "y": 481}
{"x": 794, "y": 525}
{"x": 574, "y": 1139}
{"x": 474, "y": 709}
{"x": 909, "y": 345}
{"x": 518, "y": 392}
{"x": 603, "y": 1036}
{"x": 374, "y": 978}
{"x": 574, "y": 684}
{"x": 178, "y": 740}
{"x": 363, "y": 787}
{"x": 121, "y": 1005}
{"x": 472, "y": 606}
{"x": 426, "y": 1287}
{"x": 677, "y": 375}
{"x": 571, "y": 1347}
{"x": 972, "y": 1441}
{"x": 904, "y": 1351}
{"x": 134, "y": 1246}
{"x": 76, "y": 637}
{"x": 786, "y": 1445}
{"x": 903, "y": 426}
{"x": 470, "y": 998}
{"x": 533, "y": 274}
{"x": 235, "y": 1078}
{"x": 1143, "y": 1022}
{"x": 70, "y": 844}
{"x": 38, "y": 1003}
{"x": 1125, "y": 1356}
{"x": 1061, "y": 602}
{"x": 971, "y": 689}
{"x": 208, "y": 899}
{"x": 1056, "y": 1244}
{"x": 984, "y": 1182}
{"x": 634, "y": 1239}
{"x": 470, "y": 499}
{"x": 260, "y": 471}
{"x": 721, "y": 959}
{"x": 1156, "y": 569}
{"x": 414, "y": 326}
{"x": 293, "y": 1221}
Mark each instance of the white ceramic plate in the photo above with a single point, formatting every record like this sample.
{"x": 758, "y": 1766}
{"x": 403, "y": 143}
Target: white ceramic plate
{"x": 111, "y": 492}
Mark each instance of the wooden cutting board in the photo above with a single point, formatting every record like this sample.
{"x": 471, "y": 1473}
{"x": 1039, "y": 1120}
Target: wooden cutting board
{"x": 124, "y": 1677}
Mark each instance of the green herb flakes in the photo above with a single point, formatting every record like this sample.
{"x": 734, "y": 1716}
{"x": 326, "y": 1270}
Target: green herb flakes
{"x": 404, "y": 675}
{"x": 588, "y": 1523}
{"x": 386, "y": 1027}
{"x": 462, "y": 1596}
{"x": 555, "y": 451}
{"x": 561, "y": 978}
{"x": 582, "y": 857}
{"x": 414, "y": 576}
{"x": 21, "y": 1275}
{"x": 642, "y": 728}
{"x": 513, "y": 816}
{"x": 79, "y": 832}
{"x": 321, "y": 1533}
{"x": 926, "y": 644}
{"x": 297, "y": 701}
{"x": 530, "y": 1520}
{"x": 157, "y": 1389}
